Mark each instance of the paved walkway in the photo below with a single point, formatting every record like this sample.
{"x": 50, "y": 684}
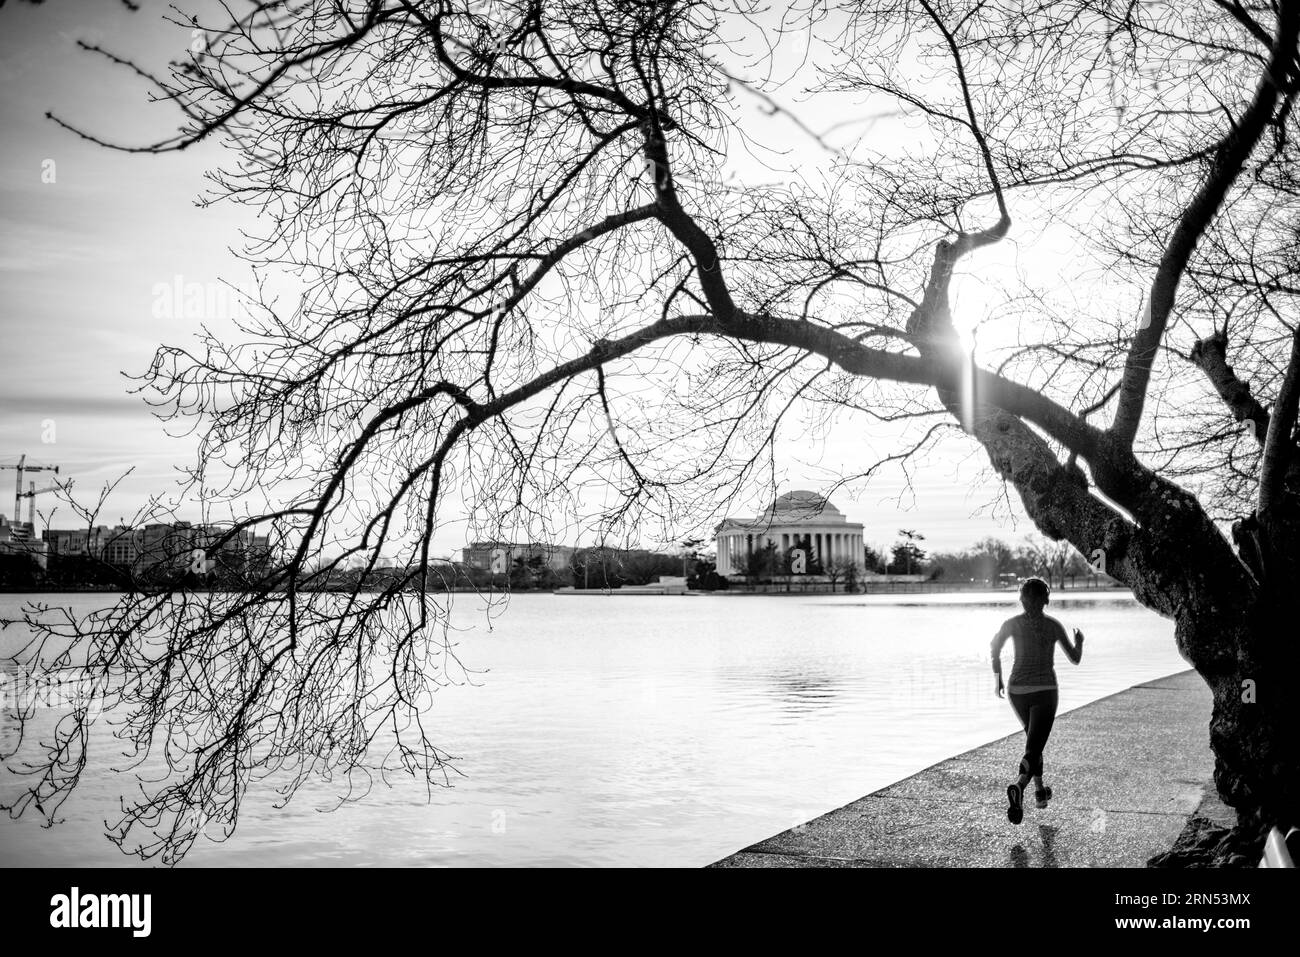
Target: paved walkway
{"x": 1126, "y": 771}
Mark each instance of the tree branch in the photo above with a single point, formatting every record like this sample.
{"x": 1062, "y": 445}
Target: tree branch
{"x": 1278, "y": 444}
{"x": 1210, "y": 356}
{"x": 1229, "y": 160}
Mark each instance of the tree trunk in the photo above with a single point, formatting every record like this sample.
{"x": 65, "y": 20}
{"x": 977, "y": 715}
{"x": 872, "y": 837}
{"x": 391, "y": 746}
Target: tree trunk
{"x": 1255, "y": 728}
{"x": 1227, "y": 605}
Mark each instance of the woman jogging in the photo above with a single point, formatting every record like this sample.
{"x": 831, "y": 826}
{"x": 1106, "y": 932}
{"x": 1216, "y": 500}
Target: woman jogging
{"x": 1032, "y": 688}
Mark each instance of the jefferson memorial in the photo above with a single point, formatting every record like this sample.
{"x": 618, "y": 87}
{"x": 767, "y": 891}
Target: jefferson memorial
{"x": 803, "y": 525}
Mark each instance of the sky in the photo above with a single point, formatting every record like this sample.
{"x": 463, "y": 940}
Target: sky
{"x": 93, "y": 239}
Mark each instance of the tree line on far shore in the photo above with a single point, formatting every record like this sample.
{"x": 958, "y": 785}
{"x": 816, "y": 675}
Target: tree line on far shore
{"x": 992, "y": 559}
{"x": 987, "y": 561}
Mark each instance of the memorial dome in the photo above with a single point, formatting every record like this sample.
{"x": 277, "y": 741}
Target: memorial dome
{"x": 804, "y": 502}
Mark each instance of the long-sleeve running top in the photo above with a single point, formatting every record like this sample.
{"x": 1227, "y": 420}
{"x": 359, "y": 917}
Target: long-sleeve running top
{"x": 1034, "y": 640}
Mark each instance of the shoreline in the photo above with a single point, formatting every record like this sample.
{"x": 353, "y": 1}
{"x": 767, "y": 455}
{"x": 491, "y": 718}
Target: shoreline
{"x": 895, "y": 588}
{"x": 1128, "y": 770}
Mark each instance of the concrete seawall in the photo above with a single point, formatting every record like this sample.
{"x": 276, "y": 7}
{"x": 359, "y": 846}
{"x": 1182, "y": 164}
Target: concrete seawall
{"x": 1126, "y": 772}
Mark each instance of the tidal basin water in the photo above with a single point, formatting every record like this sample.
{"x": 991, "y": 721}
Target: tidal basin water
{"x": 656, "y": 730}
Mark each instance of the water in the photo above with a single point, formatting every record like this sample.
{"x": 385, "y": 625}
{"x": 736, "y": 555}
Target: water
{"x": 648, "y": 730}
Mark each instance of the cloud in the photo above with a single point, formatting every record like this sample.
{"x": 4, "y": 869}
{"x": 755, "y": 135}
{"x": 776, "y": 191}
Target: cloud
{"x": 42, "y": 406}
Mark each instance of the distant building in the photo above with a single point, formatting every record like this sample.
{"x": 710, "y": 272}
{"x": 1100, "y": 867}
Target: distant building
{"x": 805, "y": 528}
{"x": 19, "y": 538}
{"x": 162, "y": 547}
{"x": 242, "y": 551}
{"x": 499, "y": 557}
{"x": 76, "y": 541}
{"x": 165, "y": 545}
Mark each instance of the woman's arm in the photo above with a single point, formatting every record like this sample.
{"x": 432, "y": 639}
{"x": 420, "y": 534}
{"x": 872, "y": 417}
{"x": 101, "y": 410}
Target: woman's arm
{"x": 1072, "y": 651}
{"x": 995, "y": 648}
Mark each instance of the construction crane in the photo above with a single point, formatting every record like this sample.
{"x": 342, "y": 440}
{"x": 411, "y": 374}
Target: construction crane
{"x": 32, "y": 492}
{"x": 30, "y": 495}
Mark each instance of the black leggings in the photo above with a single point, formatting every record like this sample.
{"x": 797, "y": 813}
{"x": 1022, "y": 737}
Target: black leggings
{"x": 1036, "y": 711}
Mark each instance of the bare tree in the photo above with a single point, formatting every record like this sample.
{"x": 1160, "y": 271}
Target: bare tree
{"x": 841, "y": 570}
{"x": 907, "y": 552}
{"x": 526, "y": 271}
{"x": 690, "y": 552}
{"x": 1047, "y": 557}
